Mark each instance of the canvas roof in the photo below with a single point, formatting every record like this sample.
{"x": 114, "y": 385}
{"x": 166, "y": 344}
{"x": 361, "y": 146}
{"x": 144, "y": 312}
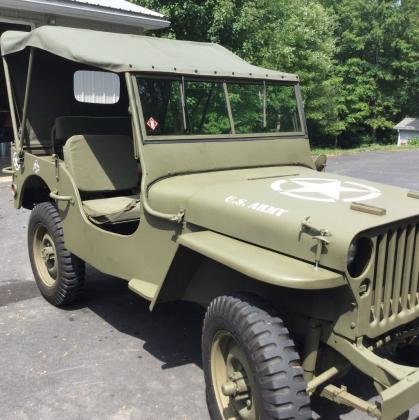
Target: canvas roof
{"x": 408, "y": 124}
{"x": 122, "y": 52}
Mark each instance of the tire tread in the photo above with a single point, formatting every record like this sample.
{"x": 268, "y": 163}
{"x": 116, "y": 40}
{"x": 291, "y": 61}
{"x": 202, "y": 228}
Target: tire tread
{"x": 71, "y": 269}
{"x": 267, "y": 343}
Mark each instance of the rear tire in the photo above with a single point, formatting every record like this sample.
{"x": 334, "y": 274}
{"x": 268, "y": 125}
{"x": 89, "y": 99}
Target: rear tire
{"x": 252, "y": 369}
{"x": 58, "y": 273}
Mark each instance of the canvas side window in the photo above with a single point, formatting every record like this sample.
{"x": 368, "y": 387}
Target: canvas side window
{"x": 97, "y": 87}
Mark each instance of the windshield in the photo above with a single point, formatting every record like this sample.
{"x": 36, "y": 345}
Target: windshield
{"x": 178, "y": 106}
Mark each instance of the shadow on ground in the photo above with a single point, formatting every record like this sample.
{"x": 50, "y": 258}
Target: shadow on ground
{"x": 172, "y": 332}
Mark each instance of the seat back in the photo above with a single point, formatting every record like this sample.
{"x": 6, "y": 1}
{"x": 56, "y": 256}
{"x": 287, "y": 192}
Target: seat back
{"x": 102, "y": 163}
{"x": 68, "y": 126}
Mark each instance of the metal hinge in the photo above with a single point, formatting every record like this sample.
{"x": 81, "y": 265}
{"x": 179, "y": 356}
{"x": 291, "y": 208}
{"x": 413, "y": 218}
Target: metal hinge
{"x": 56, "y": 160}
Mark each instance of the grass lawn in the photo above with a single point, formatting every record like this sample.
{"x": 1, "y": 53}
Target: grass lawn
{"x": 331, "y": 151}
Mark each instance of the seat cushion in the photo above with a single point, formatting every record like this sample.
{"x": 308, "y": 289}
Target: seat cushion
{"x": 102, "y": 163}
{"x": 112, "y": 210}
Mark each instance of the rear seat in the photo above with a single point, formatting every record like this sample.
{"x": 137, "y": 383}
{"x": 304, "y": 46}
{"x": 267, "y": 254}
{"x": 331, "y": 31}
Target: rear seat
{"x": 105, "y": 165}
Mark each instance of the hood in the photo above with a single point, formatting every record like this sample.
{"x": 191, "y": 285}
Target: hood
{"x": 269, "y": 206}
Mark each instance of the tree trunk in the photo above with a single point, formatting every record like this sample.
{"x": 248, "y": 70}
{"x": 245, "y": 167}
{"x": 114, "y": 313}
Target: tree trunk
{"x": 374, "y": 135}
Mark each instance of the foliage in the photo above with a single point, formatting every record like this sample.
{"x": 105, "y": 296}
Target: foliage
{"x": 414, "y": 141}
{"x": 357, "y": 59}
{"x": 377, "y": 62}
{"x": 372, "y": 147}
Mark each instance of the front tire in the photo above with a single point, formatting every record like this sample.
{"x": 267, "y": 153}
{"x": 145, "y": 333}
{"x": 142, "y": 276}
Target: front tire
{"x": 252, "y": 369}
{"x": 58, "y": 273}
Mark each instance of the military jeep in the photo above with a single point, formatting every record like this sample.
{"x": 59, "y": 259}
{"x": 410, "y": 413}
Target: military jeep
{"x": 187, "y": 172}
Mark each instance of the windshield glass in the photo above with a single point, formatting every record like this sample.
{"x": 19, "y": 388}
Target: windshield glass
{"x": 175, "y": 106}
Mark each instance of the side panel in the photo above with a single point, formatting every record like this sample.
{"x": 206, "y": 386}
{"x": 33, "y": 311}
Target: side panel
{"x": 41, "y": 167}
{"x": 145, "y": 255}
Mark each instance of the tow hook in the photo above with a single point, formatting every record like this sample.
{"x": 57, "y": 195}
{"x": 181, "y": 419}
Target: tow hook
{"x": 342, "y": 396}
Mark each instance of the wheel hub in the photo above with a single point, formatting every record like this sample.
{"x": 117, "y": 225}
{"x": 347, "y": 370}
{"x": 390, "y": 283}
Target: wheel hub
{"x": 231, "y": 379}
{"x": 236, "y": 386}
{"x": 45, "y": 255}
{"x": 48, "y": 253}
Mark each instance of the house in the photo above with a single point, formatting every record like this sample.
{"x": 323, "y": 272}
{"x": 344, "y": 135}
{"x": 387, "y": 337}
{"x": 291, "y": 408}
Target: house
{"x": 109, "y": 15}
{"x": 407, "y": 128}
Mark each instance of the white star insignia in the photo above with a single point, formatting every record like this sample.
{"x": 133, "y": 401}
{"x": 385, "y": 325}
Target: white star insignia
{"x": 326, "y": 190}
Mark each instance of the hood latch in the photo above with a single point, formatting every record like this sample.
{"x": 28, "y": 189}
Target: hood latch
{"x": 320, "y": 235}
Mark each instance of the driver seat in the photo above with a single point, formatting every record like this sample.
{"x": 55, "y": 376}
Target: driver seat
{"x": 107, "y": 175}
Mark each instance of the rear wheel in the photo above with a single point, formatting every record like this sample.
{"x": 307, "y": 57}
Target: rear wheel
{"x": 58, "y": 273}
{"x": 252, "y": 370}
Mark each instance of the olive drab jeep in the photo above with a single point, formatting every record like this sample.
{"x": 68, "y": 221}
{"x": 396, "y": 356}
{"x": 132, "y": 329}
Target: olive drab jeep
{"x": 187, "y": 172}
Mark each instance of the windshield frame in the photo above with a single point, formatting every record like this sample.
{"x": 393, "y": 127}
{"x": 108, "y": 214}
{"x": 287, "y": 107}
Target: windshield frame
{"x": 217, "y": 137}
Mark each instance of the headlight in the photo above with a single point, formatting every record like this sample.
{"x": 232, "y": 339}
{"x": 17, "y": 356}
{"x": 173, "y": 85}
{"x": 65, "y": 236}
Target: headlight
{"x": 359, "y": 255}
{"x": 352, "y": 253}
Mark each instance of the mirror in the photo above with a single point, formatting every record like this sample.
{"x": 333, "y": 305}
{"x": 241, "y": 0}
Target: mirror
{"x": 320, "y": 163}
{"x": 96, "y": 87}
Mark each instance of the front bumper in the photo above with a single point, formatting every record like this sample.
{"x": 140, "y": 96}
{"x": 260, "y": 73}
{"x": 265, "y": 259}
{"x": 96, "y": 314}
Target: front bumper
{"x": 399, "y": 383}
{"x": 400, "y": 397}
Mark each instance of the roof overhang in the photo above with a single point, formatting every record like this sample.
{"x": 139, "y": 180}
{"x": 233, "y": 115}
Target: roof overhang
{"x": 408, "y": 124}
{"x": 87, "y": 12}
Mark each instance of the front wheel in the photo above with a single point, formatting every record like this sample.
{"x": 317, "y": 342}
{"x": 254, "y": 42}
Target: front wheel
{"x": 252, "y": 370}
{"x": 58, "y": 273}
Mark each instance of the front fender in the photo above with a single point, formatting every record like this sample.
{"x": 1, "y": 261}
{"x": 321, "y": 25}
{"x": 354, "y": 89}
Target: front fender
{"x": 260, "y": 263}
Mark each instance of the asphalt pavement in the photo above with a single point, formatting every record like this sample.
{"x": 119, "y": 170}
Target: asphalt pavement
{"x": 108, "y": 357}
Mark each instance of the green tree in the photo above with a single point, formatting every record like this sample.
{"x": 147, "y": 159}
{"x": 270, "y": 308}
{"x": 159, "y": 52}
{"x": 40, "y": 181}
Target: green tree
{"x": 357, "y": 59}
{"x": 377, "y": 56}
{"x": 290, "y": 36}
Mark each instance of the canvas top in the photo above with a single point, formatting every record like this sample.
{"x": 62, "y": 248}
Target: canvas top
{"x": 135, "y": 53}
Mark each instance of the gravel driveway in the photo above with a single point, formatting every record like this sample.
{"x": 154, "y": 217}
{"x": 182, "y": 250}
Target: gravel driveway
{"x": 108, "y": 357}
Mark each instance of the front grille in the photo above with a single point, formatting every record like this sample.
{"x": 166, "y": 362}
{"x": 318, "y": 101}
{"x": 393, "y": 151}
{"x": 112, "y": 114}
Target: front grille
{"x": 395, "y": 297}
